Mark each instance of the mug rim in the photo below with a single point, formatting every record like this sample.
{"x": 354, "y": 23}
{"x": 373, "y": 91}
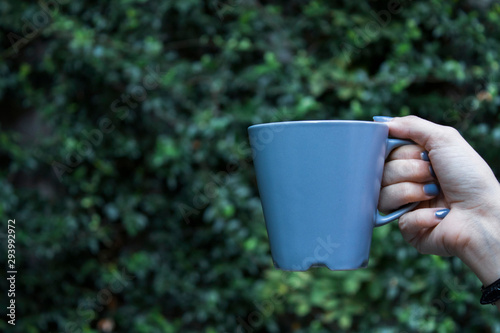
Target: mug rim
{"x": 314, "y": 122}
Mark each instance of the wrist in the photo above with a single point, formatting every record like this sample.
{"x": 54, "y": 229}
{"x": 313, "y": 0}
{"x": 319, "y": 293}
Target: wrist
{"x": 486, "y": 267}
{"x": 481, "y": 252}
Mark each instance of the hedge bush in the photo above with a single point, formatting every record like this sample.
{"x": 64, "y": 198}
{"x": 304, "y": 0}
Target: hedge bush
{"x": 126, "y": 165}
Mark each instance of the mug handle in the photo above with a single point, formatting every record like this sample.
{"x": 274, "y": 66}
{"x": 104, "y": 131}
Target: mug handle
{"x": 381, "y": 220}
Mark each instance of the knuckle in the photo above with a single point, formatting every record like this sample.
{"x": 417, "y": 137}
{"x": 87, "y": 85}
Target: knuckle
{"x": 413, "y": 167}
{"x": 406, "y": 170}
{"x": 451, "y": 130}
{"x": 448, "y": 132}
{"x": 420, "y": 169}
{"x": 412, "y": 117}
{"x": 407, "y": 192}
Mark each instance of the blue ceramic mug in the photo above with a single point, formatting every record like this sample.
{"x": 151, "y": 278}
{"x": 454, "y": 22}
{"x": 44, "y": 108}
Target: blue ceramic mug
{"x": 319, "y": 184}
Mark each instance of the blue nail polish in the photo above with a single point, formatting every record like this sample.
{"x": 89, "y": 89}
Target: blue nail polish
{"x": 425, "y": 156}
{"x": 431, "y": 189}
{"x": 441, "y": 214}
{"x": 382, "y": 119}
{"x": 432, "y": 171}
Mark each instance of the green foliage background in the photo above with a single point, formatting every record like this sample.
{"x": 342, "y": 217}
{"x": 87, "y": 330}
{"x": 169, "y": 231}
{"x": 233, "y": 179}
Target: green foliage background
{"x": 134, "y": 193}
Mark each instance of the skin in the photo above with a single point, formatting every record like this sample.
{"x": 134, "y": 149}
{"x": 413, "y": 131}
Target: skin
{"x": 468, "y": 187}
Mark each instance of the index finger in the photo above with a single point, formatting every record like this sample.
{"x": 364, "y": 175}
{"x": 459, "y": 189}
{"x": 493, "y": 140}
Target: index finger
{"x": 426, "y": 133}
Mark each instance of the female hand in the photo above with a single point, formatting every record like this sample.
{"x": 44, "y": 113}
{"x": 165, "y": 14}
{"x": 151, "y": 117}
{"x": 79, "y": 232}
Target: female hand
{"x": 467, "y": 188}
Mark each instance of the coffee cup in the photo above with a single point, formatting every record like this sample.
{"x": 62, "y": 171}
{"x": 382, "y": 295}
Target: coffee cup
{"x": 319, "y": 184}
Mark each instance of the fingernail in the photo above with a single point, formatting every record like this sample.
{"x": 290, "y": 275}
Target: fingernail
{"x": 441, "y": 214}
{"x": 425, "y": 156}
{"x": 432, "y": 171}
{"x": 431, "y": 189}
{"x": 382, "y": 119}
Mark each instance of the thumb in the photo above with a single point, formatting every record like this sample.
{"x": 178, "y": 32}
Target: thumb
{"x": 418, "y": 229}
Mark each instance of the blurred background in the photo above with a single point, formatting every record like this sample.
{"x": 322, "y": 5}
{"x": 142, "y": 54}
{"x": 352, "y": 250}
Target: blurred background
{"x": 125, "y": 161}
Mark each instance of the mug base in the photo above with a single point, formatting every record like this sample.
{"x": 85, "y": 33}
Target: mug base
{"x": 298, "y": 268}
